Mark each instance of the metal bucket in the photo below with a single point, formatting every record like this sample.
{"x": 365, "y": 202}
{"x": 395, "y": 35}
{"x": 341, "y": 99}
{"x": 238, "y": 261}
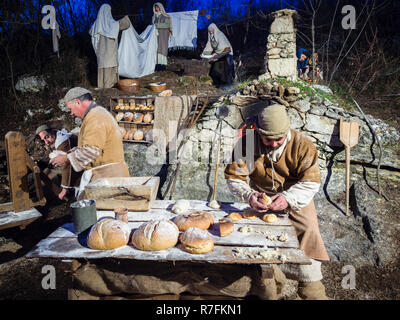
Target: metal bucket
{"x": 83, "y": 215}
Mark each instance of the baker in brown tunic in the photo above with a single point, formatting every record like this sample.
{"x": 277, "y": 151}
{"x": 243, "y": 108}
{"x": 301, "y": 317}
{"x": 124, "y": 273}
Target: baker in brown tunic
{"x": 283, "y": 163}
{"x": 99, "y": 152}
{"x": 62, "y": 142}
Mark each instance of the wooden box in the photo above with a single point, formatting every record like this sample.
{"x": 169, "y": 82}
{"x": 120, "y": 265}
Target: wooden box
{"x": 134, "y": 193}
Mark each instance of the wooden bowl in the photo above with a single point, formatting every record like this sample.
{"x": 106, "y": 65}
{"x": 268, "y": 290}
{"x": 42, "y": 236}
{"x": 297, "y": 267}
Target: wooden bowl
{"x": 158, "y": 86}
{"x": 129, "y": 85}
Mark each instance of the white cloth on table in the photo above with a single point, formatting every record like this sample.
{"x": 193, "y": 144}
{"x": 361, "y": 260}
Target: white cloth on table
{"x": 184, "y": 29}
{"x": 137, "y": 54}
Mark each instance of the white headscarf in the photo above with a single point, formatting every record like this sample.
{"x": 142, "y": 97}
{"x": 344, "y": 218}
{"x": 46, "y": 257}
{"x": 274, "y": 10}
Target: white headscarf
{"x": 161, "y": 12}
{"x": 222, "y": 40}
{"x": 104, "y": 25}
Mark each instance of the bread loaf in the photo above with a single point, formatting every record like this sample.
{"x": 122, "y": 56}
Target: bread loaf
{"x": 148, "y": 117}
{"x": 197, "y": 241}
{"x": 108, "y": 234}
{"x": 270, "y": 218}
{"x": 138, "y": 135}
{"x": 235, "y": 216}
{"x": 138, "y": 117}
{"x": 119, "y": 116}
{"x": 198, "y": 219}
{"x": 165, "y": 93}
{"x": 225, "y": 227}
{"x": 250, "y": 214}
{"x": 128, "y": 116}
{"x": 155, "y": 235}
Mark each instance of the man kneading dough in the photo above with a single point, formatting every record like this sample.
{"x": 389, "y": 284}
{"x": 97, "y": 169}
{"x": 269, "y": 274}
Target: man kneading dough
{"x": 284, "y": 165}
{"x": 100, "y": 151}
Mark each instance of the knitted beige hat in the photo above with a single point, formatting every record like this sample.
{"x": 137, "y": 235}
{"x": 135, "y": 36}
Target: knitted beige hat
{"x": 273, "y": 122}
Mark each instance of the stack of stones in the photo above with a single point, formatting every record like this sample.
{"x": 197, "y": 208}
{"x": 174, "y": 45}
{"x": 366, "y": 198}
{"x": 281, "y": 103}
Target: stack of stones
{"x": 281, "y": 60}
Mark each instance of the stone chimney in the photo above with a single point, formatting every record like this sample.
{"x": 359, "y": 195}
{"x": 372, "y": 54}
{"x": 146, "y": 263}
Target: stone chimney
{"x": 281, "y": 60}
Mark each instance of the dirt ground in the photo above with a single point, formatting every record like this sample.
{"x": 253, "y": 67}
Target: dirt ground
{"x": 20, "y": 278}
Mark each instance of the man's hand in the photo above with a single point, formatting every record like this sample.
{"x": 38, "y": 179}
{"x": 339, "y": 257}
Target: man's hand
{"x": 62, "y": 194}
{"x": 59, "y": 161}
{"x": 256, "y": 204}
{"x": 279, "y": 203}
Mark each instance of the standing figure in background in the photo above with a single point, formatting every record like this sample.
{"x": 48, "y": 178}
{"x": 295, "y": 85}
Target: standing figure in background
{"x": 163, "y": 24}
{"x": 104, "y": 33}
{"x": 222, "y": 69}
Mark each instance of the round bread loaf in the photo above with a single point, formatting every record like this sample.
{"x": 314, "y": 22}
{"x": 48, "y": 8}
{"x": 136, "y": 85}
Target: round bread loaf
{"x": 128, "y": 116}
{"x": 197, "y": 219}
{"x": 119, "y": 116}
{"x": 250, "y": 214}
{"x": 138, "y": 135}
{"x": 197, "y": 241}
{"x": 147, "y": 117}
{"x": 270, "y": 218}
{"x": 235, "y": 216}
{"x": 155, "y": 235}
{"x": 138, "y": 117}
{"x": 108, "y": 234}
{"x": 265, "y": 200}
{"x": 225, "y": 227}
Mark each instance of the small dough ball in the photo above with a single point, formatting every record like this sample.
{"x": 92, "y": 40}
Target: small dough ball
{"x": 225, "y": 227}
{"x": 181, "y": 206}
{"x": 265, "y": 200}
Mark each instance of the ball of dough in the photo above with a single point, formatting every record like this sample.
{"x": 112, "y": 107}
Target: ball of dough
{"x": 108, "y": 234}
{"x": 197, "y": 241}
{"x": 155, "y": 235}
{"x": 180, "y": 206}
{"x": 266, "y": 200}
{"x": 198, "y": 219}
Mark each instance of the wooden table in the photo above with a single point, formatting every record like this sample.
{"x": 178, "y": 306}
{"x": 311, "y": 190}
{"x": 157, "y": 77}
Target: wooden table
{"x": 256, "y": 247}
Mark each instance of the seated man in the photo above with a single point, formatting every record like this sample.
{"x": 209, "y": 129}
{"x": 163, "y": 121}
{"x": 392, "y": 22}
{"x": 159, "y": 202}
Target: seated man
{"x": 62, "y": 142}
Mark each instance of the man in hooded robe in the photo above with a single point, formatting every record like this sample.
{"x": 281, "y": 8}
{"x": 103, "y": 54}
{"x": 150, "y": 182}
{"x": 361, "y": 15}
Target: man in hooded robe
{"x": 163, "y": 24}
{"x": 221, "y": 71}
{"x": 104, "y": 33}
{"x": 283, "y": 164}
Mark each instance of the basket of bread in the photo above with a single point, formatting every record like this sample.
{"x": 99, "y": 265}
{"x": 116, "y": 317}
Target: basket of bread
{"x": 158, "y": 86}
{"x": 129, "y": 85}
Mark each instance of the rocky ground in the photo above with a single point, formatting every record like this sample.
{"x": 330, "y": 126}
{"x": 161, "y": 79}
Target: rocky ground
{"x": 367, "y": 240}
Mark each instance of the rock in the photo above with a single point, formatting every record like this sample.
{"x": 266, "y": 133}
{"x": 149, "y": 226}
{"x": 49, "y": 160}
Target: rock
{"x": 292, "y": 90}
{"x": 281, "y": 101}
{"x": 316, "y": 99}
{"x": 277, "y": 56}
{"x": 281, "y": 91}
{"x": 325, "y": 89}
{"x": 282, "y": 24}
{"x": 243, "y": 100}
{"x": 284, "y": 67}
{"x": 333, "y": 115}
{"x": 31, "y": 84}
{"x": 321, "y": 125}
{"x": 302, "y": 105}
{"x": 296, "y": 121}
{"x": 274, "y": 51}
{"x": 318, "y": 110}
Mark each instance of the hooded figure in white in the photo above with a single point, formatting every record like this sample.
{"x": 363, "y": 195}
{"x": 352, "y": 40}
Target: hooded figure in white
{"x": 219, "y": 46}
{"x": 104, "y": 33}
{"x": 163, "y": 24}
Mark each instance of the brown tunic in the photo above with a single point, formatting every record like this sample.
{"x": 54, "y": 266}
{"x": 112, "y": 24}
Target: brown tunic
{"x": 298, "y": 163}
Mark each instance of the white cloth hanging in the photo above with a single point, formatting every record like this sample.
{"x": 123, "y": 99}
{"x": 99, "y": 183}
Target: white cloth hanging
{"x": 184, "y": 30}
{"x": 137, "y": 54}
{"x": 104, "y": 25}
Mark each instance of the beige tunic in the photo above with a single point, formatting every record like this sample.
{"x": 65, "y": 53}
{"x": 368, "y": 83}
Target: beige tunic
{"x": 298, "y": 163}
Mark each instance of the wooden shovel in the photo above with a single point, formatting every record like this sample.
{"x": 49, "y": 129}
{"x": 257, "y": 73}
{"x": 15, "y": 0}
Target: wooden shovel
{"x": 349, "y": 137}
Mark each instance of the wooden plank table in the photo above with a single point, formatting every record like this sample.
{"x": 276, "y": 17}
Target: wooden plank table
{"x": 260, "y": 246}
